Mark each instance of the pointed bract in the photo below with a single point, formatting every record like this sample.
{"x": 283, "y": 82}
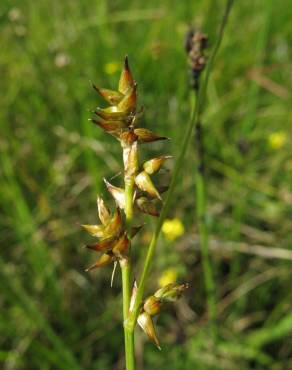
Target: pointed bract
{"x": 105, "y": 259}
{"x": 146, "y": 323}
{"x": 111, "y": 113}
{"x": 111, "y": 96}
{"x": 113, "y": 228}
{"x": 103, "y": 212}
{"x": 94, "y": 230}
{"x": 110, "y": 126}
{"x": 144, "y": 183}
{"x": 117, "y": 193}
{"x": 128, "y": 103}
{"x": 154, "y": 164}
{"x": 126, "y": 79}
{"x": 147, "y": 136}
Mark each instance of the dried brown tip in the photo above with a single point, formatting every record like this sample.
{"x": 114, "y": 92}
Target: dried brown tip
{"x": 126, "y": 62}
{"x": 126, "y": 79}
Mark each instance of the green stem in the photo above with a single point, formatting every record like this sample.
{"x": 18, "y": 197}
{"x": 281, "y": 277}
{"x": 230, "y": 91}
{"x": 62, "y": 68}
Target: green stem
{"x": 131, "y": 322}
{"x": 125, "y": 264}
{"x": 204, "y": 247}
{"x": 195, "y": 110}
{"x": 201, "y": 197}
{"x": 128, "y": 334}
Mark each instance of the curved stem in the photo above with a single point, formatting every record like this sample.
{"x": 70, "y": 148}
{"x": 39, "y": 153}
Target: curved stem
{"x": 131, "y": 322}
{"x": 197, "y": 101}
{"x": 201, "y": 196}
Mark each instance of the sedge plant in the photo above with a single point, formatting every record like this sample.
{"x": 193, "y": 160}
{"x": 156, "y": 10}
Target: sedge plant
{"x": 196, "y": 45}
{"x": 137, "y": 193}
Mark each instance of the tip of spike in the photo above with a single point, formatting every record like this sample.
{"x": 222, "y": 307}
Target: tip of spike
{"x": 126, "y": 62}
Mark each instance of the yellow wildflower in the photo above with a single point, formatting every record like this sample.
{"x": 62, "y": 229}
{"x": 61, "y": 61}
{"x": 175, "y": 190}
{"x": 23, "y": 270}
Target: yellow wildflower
{"x": 111, "y": 67}
{"x": 168, "y": 276}
{"x": 277, "y": 139}
{"x": 172, "y": 229}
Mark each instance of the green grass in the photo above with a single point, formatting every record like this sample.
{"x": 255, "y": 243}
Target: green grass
{"x": 52, "y": 160}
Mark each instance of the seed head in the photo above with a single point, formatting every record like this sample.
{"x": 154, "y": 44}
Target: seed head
{"x": 195, "y": 44}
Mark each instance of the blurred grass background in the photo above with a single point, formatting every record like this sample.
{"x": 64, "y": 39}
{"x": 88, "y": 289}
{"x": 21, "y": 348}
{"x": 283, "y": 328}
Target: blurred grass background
{"x": 55, "y": 316}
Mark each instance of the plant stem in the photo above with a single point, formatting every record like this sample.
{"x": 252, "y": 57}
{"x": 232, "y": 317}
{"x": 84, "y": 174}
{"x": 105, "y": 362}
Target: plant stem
{"x": 128, "y": 334}
{"x": 131, "y": 322}
{"x": 125, "y": 264}
{"x": 195, "y": 110}
{"x": 201, "y": 196}
{"x": 204, "y": 247}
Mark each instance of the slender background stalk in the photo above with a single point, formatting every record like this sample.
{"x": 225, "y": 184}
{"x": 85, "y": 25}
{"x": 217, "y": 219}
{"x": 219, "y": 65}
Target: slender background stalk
{"x": 152, "y": 246}
{"x": 196, "y": 106}
{"x": 201, "y": 191}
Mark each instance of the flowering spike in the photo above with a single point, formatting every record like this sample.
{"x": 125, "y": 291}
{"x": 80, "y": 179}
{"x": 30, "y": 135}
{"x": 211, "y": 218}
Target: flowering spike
{"x": 103, "y": 212}
{"x": 147, "y": 206}
{"x": 144, "y": 183}
{"x": 126, "y": 79}
{"x": 105, "y": 259}
{"x": 117, "y": 193}
{"x": 154, "y": 165}
{"x": 146, "y": 323}
{"x": 147, "y": 136}
{"x": 111, "y": 96}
